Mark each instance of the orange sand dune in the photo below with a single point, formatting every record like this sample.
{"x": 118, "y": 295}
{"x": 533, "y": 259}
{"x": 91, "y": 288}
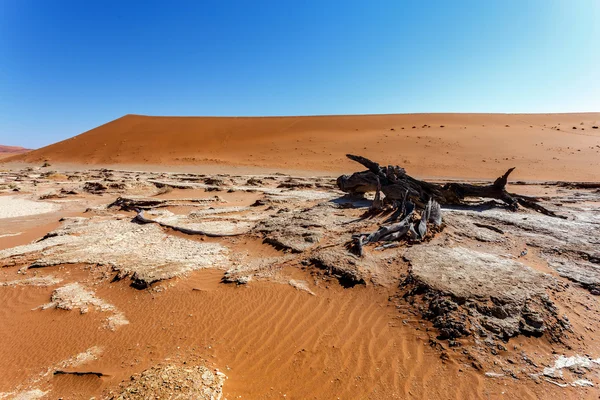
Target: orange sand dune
{"x": 8, "y": 151}
{"x": 541, "y": 146}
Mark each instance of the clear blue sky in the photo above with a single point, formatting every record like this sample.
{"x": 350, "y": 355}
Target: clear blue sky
{"x": 68, "y": 66}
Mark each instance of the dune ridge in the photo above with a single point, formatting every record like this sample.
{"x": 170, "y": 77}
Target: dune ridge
{"x": 541, "y": 146}
{"x": 12, "y": 149}
{"x": 9, "y": 151}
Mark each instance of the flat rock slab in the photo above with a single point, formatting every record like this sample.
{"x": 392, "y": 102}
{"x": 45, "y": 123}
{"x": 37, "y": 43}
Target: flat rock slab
{"x": 173, "y": 382}
{"x": 465, "y": 292}
{"x": 464, "y": 273}
{"x": 570, "y": 246}
{"x": 541, "y": 230}
{"x": 245, "y": 269}
{"x": 346, "y": 267}
{"x": 300, "y": 230}
{"x": 206, "y": 222}
{"x": 584, "y": 273}
{"x": 144, "y": 252}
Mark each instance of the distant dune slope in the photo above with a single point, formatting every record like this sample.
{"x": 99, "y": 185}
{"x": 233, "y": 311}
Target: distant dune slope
{"x": 541, "y": 146}
{"x": 8, "y": 151}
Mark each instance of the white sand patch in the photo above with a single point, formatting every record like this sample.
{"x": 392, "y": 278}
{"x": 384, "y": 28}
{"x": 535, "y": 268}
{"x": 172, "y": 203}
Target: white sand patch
{"x": 10, "y": 235}
{"x": 27, "y": 395}
{"x": 582, "y": 383}
{"x": 87, "y": 356}
{"x": 16, "y": 206}
{"x": 41, "y": 281}
{"x": 75, "y": 296}
{"x": 570, "y": 363}
{"x": 301, "y": 285}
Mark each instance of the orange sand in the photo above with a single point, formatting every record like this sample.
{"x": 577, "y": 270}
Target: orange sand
{"x": 270, "y": 339}
{"x": 541, "y": 146}
{"x": 8, "y": 151}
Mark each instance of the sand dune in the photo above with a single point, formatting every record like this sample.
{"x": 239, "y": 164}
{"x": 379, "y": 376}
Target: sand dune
{"x": 8, "y": 151}
{"x": 12, "y": 149}
{"x": 541, "y": 146}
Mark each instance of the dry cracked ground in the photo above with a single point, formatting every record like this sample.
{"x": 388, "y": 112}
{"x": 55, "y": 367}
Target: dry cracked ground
{"x": 125, "y": 284}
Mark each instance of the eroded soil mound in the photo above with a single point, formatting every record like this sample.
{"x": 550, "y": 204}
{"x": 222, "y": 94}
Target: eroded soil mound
{"x": 173, "y": 382}
{"x": 466, "y": 291}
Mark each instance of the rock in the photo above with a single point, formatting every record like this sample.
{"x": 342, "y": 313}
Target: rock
{"x": 254, "y": 181}
{"x": 245, "y": 270}
{"x": 301, "y": 285}
{"x": 569, "y": 245}
{"x": 214, "y": 181}
{"x": 466, "y": 290}
{"x": 33, "y": 394}
{"x": 582, "y": 383}
{"x": 132, "y": 204}
{"x": 240, "y": 280}
{"x": 572, "y": 364}
{"x": 173, "y": 382}
{"x": 75, "y": 296}
{"x": 296, "y": 231}
{"x": 143, "y": 252}
{"x": 532, "y": 322}
{"x": 296, "y": 183}
{"x": 584, "y": 273}
{"x": 94, "y": 187}
{"x": 209, "y": 221}
{"x": 41, "y": 281}
{"x": 258, "y": 203}
{"x": 169, "y": 184}
{"x": 340, "y": 264}
{"x": 117, "y": 186}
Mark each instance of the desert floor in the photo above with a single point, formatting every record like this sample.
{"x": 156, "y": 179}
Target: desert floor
{"x": 218, "y": 262}
{"x": 284, "y": 309}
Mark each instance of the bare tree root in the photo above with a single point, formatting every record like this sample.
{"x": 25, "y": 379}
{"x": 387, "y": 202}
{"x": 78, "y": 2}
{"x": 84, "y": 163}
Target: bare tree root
{"x": 395, "y": 184}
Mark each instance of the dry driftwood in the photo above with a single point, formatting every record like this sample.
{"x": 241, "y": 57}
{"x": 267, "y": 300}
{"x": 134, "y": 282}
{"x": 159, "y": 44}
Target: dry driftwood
{"x": 80, "y": 373}
{"x": 126, "y": 204}
{"x": 396, "y": 184}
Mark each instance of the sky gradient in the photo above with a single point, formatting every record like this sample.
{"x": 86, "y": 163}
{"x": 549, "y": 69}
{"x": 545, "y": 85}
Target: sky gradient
{"x": 69, "y": 66}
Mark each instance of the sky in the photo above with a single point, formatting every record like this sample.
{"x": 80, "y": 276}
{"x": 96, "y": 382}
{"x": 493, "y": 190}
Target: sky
{"x": 69, "y": 66}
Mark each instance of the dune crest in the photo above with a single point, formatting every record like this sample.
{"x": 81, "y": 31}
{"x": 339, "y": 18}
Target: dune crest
{"x": 541, "y": 146}
{"x": 8, "y": 151}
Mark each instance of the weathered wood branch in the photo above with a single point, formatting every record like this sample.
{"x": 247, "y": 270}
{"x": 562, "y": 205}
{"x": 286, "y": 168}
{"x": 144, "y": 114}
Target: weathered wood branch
{"x": 396, "y": 184}
{"x": 80, "y": 373}
{"x": 126, "y": 204}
